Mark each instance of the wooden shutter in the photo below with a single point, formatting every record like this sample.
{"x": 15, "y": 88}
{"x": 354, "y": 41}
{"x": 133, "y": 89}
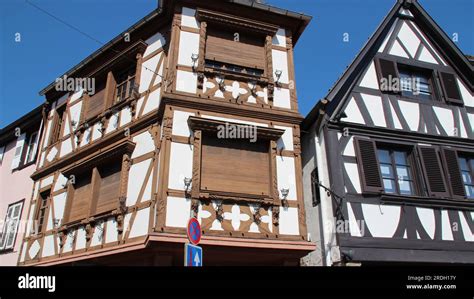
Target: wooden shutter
{"x": 109, "y": 187}
{"x": 236, "y": 166}
{"x": 432, "y": 169}
{"x": 110, "y": 87}
{"x": 249, "y": 51}
{"x": 80, "y": 201}
{"x": 369, "y": 168}
{"x": 450, "y": 88}
{"x": 13, "y": 225}
{"x": 95, "y": 104}
{"x": 453, "y": 172}
{"x": 20, "y": 142}
{"x": 387, "y": 70}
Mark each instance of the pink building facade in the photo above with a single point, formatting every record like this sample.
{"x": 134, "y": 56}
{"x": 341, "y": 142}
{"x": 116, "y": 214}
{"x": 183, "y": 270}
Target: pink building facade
{"x": 18, "y": 151}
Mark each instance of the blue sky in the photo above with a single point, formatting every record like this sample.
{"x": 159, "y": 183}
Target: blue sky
{"x": 49, "y": 48}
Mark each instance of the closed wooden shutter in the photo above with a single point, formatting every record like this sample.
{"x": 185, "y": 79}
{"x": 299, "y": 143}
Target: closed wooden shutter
{"x": 95, "y": 104}
{"x": 20, "y": 142}
{"x": 450, "y": 88}
{"x": 235, "y": 166}
{"x": 453, "y": 172}
{"x": 81, "y": 198}
{"x": 432, "y": 169}
{"x": 369, "y": 168}
{"x": 387, "y": 71}
{"x": 109, "y": 187}
{"x": 248, "y": 51}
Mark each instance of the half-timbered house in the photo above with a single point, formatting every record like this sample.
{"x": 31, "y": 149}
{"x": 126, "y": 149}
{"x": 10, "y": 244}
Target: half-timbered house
{"x": 389, "y": 152}
{"x": 18, "y": 156}
{"x": 124, "y": 165}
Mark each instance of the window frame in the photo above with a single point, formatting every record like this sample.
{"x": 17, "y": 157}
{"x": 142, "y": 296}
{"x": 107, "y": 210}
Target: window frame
{"x": 200, "y": 126}
{"x": 58, "y": 124}
{"x": 437, "y": 78}
{"x": 410, "y": 159}
{"x": 118, "y": 153}
{"x": 47, "y": 193}
{"x": 6, "y": 227}
{"x": 412, "y": 70}
{"x": 470, "y": 167}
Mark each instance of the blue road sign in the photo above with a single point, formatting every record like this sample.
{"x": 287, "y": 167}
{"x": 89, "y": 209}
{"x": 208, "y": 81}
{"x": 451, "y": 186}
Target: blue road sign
{"x": 192, "y": 255}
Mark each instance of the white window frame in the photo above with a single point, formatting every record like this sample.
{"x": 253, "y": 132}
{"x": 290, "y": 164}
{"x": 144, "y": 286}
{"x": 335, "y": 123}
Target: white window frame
{"x": 20, "y": 142}
{"x": 28, "y": 148}
{"x": 10, "y": 225}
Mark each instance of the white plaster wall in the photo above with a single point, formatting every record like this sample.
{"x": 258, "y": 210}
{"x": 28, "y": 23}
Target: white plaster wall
{"x": 143, "y": 144}
{"x": 137, "y": 175}
{"x": 288, "y": 221}
{"x": 279, "y": 39}
{"x": 370, "y": 78}
{"x": 188, "y": 18}
{"x": 181, "y": 165}
{"x": 286, "y": 175}
{"x": 280, "y": 62}
{"x": 375, "y": 108}
{"x": 375, "y": 215}
{"x": 186, "y": 81}
{"x": 177, "y": 211}
{"x": 141, "y": 223}
{"x": 411, "y": 113}
{"x": 281, "y": 98}
{"x": 180, "y": 123}
{"x": 286, "y": 140}
{"x": 154, "y": 43}
{"x": 188, "y": 45}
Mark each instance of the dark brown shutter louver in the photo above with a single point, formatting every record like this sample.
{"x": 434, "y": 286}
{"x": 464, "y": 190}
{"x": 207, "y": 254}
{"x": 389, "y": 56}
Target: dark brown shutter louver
{"x": 386, "y": 70}
{"x": 368, "y": 166}
{"x": 450, "y": 88}
{"x": 454, "y": 173}
{"x": 431, "y": 164}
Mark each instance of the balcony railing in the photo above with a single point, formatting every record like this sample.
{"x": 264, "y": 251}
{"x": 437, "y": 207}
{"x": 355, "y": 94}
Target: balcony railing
{"x": 126, "y": 90}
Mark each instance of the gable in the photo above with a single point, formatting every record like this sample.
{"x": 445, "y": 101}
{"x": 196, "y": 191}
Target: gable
{"x": 449, "y": 111}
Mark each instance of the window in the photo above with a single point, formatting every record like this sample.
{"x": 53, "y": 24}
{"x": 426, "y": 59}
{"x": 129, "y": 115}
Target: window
{"x": 226, "y": 165}
{"x": 43, "y": 205}
{"x": 316, "y": 196}
{"x": 32, "y": 147}
{"x": 125, "y": 84}
{"x": 233, "y": 68}
{"x": 237, "y": 167}
{"x": 247, "y": 51}
{"x": 396, "y": 171}
{"x": 97, "y": 102}
{"x": 416, "y": 84}
{"x": 467, "y": 172}
{"x": 386, "y": 168}
{"x": 95, "y": 191}
{"x": 10, "y": 226}
{"x": 57, "y": 124}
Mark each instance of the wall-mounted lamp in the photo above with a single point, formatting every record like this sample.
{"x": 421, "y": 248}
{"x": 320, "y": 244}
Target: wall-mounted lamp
{"x": 253, "y": 88}
{"x": 187, "y": 183}
{"x": 278, "y": 74}
{"x": 284, "y": 194}
{"x": 220, "y": 81}
{"x": 56, "y": 222}
{"x": 194, "y": 58}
